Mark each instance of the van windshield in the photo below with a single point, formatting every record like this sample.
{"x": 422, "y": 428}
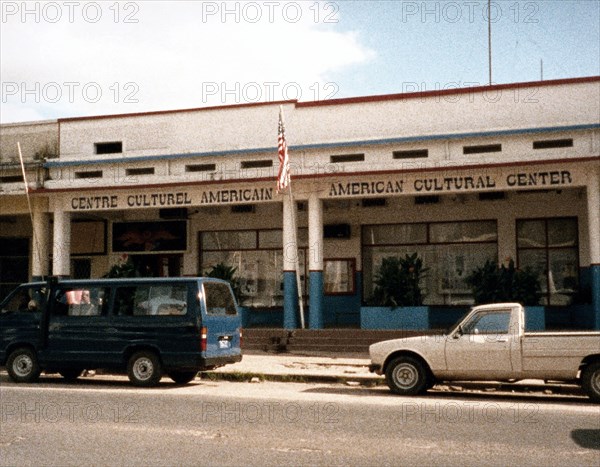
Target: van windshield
{"x": 27, "y": 299}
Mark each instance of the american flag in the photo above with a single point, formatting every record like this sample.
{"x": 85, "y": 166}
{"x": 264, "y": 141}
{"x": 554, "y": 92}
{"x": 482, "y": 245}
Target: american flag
{"x": 283, "y": 177}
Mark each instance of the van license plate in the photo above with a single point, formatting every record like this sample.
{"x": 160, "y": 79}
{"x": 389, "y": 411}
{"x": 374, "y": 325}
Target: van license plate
{"x": 224, "y": 343}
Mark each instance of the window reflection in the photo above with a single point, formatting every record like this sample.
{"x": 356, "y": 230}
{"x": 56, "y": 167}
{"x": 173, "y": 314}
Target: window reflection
{"x": 549, "y": 247}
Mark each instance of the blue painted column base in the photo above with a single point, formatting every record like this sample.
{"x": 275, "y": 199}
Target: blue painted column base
{"x": 290, "y": 300}
{"x": 315, "y": 320}
{"x": 595, "y": 285}
{"x": 535, "y": 318}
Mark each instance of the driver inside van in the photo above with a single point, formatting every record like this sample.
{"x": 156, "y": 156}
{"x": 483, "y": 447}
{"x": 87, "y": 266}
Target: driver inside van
{"x": 86, "y": 307}
{"x": 80, "y": 303}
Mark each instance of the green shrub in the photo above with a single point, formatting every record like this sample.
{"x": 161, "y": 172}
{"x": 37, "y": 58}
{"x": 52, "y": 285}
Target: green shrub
{"x": 397, "y": 282}
{"x": 124, "y": 268}
{"x": 493, "y": 284}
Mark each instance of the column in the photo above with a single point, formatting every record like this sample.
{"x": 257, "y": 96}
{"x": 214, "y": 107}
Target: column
{"x": 190, "y": 257}
{"x": 290, "y": 250}
{"x": 40, "y": 243}
{"x": 507, "y": 234}
{"x": 315, "y": 260}
{"x": 61, "y": 249}
{"x": 593, "y": 206}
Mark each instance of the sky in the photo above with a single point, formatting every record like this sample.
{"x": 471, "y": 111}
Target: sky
{"x": 79, "y": 58}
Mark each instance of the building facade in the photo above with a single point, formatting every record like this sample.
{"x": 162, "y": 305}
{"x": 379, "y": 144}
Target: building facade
{"x": 459, "y": 177}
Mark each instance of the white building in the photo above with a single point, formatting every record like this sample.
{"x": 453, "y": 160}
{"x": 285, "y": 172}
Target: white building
{"x": 459, "y": 177}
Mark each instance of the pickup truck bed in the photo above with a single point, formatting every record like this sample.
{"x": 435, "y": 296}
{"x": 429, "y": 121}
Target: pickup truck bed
{"x": 556, "y": 355}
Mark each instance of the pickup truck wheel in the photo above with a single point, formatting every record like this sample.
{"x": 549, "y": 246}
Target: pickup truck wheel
{"x": 144, "y": 369}
{"x": 182, "y": 377}
{"x": 406, "y": 376}
{"x": 22, "y": 366}
{"x": 590, "y": 381}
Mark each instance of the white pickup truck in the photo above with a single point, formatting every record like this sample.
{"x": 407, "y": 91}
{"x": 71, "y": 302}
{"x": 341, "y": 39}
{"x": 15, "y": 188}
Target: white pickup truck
{"x": 489, "y": 344}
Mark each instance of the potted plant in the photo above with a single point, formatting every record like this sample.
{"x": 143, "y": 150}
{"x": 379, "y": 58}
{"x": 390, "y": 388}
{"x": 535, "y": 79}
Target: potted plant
{"x": 397, "y": 301}
{"x": 123, "y": 269}
{"x": 492, "y": 284}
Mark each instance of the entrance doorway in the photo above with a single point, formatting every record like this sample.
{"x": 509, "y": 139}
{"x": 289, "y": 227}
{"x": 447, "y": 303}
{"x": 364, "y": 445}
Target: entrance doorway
{"x": 158, "y": 265}
{"x": 14, "y": 263}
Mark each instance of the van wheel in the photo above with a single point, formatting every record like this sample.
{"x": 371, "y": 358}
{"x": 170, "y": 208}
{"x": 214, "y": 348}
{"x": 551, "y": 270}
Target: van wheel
{"x": 71, "y": 374}
{"x": 22, "y": 366}
{"x": 590, "y": 381}
{"x": 144, "y": 369}
{"x": 182, "y": 377}
{"x": 406, "y": 376}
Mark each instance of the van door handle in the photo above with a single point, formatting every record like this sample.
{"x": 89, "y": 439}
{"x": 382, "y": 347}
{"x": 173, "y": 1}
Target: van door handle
{"x": 502, "y": 339}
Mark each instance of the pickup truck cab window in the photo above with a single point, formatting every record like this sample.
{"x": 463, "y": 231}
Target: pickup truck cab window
{"x": 491, "y": 322}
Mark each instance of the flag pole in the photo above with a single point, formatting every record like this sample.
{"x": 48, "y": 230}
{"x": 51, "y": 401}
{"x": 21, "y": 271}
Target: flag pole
{"x": 33, "y": 235}
{"x": 297, "y": 261}
{"x": 283, "y": 182}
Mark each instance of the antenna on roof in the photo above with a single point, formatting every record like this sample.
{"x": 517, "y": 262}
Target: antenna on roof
{"x": 541, "y": 69}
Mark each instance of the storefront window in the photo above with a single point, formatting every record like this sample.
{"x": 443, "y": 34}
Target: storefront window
{"x": 229, "y": 240}
{"x": 562, "y": 233}
{"x": 394, "y": 234}
{"x": 450, "y": 251}
{"x": 549, "y": 247}
{"x": 257, "y": 256}
{"x": 531, "y": 234}
{"x": 463, "y": 232}
{"x": 339, "y": 276}
{"x": 270, "y": 238}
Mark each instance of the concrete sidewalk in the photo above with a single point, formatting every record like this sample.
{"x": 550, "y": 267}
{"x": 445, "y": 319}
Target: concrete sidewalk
{"x": 352, "y": 369}
{"x": 302, "y": 367}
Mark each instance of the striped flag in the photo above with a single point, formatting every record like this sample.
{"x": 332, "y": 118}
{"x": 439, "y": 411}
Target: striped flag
{"x": 283, "y": 177}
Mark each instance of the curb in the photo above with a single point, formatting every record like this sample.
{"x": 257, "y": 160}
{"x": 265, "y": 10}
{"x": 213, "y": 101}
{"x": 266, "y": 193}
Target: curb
{"x": 370, "y": 381}
{"x": 238, "y": 376}
{"x": 517, "y": 388}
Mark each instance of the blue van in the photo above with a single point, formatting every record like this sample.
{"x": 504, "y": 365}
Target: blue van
{"x": 146, "y": 327}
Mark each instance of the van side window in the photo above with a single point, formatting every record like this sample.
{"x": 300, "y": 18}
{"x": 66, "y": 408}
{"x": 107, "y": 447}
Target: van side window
{"x": 89, "y": 301}
{"x": 151, "y": 300}
{"x": 26, "y": 300}
{"x": 219, "y": 300}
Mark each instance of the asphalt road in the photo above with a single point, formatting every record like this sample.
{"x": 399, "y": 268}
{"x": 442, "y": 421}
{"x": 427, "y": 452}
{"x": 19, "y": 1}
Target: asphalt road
{"x": 105, "y": 421}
